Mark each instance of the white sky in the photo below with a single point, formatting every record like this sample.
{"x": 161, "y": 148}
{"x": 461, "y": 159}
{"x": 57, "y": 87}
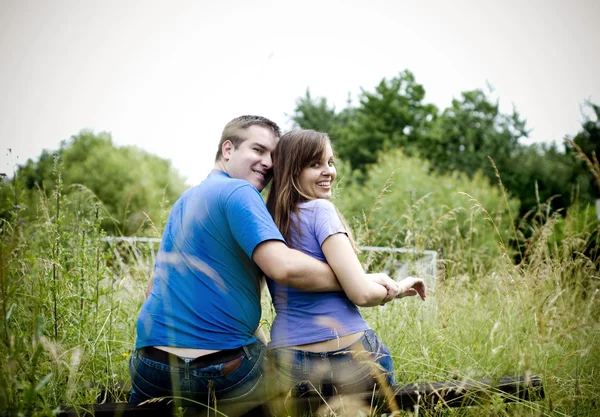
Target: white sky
{"x": 167, "y": 75}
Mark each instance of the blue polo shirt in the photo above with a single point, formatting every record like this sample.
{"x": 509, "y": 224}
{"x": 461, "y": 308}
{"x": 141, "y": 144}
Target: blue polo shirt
{"x": 206, "y": 292}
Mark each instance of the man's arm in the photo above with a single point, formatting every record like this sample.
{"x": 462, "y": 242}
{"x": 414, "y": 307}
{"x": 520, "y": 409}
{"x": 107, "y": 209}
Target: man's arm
{"x": 293, "y": 268}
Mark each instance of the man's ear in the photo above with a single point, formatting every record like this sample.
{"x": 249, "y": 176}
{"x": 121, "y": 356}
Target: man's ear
{"x": 226, "y": 149}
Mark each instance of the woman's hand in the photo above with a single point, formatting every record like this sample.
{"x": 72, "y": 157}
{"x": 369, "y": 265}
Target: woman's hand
{"x": 390, "y": 285}
{"x": 410, "y": 286}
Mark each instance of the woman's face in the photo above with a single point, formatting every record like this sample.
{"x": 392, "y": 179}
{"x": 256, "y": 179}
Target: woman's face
{"x": 316, "y": 179}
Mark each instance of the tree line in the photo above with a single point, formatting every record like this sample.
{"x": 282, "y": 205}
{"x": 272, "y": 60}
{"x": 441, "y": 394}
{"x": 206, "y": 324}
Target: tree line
{"x": 465, "y": 137}
{"x": 134, "y": 190}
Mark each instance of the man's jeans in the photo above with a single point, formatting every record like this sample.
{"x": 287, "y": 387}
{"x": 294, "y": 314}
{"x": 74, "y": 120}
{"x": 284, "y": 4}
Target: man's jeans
{"x": 353, "y": 369}
{"x": 151, "y": 379}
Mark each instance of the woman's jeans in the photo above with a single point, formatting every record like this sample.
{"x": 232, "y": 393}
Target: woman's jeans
{"x": 238, "y": 379}
{"x": 356, "y": 368}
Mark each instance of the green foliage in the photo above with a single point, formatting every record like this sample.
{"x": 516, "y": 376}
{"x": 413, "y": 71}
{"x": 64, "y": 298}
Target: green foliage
{"x": 588, "y": 141}
{"x": 314, "y": 113}
{"x": 589, "y": 138}
{"x": 420, "y": 209}
{"x": 131, "y": 184}
{"x": 393, "y": 116}
{"x": 466, "y": 137}
{"x": 66, "y": 312}
{"x": 469, "y": 131}
{"x": 390, "y": 117}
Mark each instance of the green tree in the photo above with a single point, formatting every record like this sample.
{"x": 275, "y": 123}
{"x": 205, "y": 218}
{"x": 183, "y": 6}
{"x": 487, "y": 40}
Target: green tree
{"x": 588, "y": 141}
{"x": 541, "y": 173}
{"x": 132, "y": 184}
{"x": 314, "y": 113}
{"x": 393, "y": 116}
{"x": 471, "y": 130}
{"x": 461, "y": 139}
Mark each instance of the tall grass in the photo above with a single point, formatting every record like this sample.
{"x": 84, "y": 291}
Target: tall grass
{"x": 69, "y": 302}
{"x": 67, "y": 324}
{"x": 539, "y": 316}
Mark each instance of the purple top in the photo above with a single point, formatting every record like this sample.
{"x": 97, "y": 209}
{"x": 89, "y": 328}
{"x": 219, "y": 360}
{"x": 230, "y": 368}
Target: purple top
{"x": 309, "y": 317}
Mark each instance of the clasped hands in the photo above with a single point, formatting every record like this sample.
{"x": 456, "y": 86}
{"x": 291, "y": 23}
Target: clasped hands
{"x": 407, "y": 287}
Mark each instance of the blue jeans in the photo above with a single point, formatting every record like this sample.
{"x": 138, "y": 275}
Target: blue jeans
{"x": 356, "y": 368}
{"x": 151, "y": 379}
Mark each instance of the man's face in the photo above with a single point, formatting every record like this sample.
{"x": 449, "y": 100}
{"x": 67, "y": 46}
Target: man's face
{"x": 251, "y": 161}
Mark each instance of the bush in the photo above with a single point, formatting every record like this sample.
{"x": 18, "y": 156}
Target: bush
{"x": 403, "y": 204}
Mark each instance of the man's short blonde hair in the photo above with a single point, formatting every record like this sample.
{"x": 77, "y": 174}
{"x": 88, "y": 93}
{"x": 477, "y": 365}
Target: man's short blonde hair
{"x": 232, "y": 131}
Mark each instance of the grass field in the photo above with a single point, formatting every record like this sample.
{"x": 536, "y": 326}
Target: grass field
{"x": 69, "y": 302}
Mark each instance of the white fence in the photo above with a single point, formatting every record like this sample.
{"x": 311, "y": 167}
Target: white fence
{"x": 421, "y": 263}
{"x": 396, "y": 262}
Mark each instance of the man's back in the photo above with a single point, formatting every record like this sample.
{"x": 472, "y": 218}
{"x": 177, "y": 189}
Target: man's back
{"x": 195, "y": 330}
{"x": 206, "y": 293}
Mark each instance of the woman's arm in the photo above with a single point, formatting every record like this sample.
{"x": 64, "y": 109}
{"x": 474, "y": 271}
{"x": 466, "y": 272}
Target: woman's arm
{"x": 410, "y": 286}
{"x": 357, "y": 285}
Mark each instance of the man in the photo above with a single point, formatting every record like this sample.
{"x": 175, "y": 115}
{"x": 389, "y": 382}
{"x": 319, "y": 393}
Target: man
{"x": 195, "y": 331}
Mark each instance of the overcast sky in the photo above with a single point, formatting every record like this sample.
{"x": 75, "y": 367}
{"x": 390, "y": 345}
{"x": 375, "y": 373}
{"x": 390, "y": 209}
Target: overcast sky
{"x": 167, "y": 76}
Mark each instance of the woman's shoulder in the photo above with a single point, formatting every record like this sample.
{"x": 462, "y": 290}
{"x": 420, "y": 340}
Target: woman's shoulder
{"x": 317, "y": 204}
{"x": 318, "y": 211}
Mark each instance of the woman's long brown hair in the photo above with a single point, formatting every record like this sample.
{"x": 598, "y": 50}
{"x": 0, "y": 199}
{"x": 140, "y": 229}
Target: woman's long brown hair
{"x": 296, "y": 150}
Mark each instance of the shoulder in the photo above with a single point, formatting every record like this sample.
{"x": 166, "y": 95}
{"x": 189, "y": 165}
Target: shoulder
{"x": 242, "y": 195}
{"x": 318, "y": 204}
{"x": 318, "y": 211}
{"x": 227, "y": 191}
{"x": 322, "y": 219}
{"x": 224, "y": 183}
{"x": 235, "y": 185}
{"x": 235, "y": 188}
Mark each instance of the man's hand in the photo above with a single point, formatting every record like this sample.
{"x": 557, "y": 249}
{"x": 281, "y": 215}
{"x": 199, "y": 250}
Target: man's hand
{"x": 390, "y": 285}
{"x": 410, "y": 286}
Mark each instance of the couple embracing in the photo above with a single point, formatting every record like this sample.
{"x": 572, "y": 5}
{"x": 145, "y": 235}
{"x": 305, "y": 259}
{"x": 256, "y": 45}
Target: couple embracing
{"x": 198, "y": 332}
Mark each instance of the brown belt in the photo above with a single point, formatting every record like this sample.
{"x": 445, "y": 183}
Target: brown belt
{"x": 231, "y": 358}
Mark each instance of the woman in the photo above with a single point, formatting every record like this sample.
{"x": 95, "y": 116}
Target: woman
{"x": 320, "y": 340}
